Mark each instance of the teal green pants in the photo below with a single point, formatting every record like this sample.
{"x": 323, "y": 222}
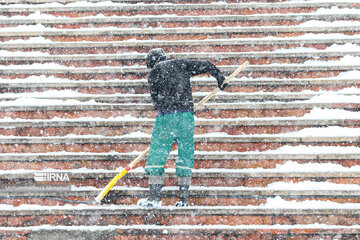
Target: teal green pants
{"x": 178, "y": 127}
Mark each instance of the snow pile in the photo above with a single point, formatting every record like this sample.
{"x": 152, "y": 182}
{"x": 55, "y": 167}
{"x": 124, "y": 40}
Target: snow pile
{"x": 34, "y": 40}
{"x": 332, "y": 131}
{"x": 279, "y": 203}
{"x": 313, "y": 167}
{"x": 346, "y": 60}
{"x": 316, "y": 23}
{"x": 347, "y": 47}
{"x": 27, "y": 101}
{"x": 336, "y": 10}
{"x": 332, "y": 97}
{"x": 302, "y": 149}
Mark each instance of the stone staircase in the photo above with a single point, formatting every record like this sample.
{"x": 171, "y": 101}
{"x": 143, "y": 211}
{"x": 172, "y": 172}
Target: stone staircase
{"x": 277, "y": 153}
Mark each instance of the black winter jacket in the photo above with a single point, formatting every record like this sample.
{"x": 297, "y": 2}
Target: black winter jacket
{"x": 170, "y": 86}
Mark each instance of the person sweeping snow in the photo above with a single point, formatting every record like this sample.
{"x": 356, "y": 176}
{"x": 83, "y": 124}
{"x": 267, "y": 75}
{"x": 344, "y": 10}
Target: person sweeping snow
{"x": 171, "y": 93}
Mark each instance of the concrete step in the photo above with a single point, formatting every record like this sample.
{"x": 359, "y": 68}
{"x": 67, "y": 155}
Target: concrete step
{"x": 201, "y": 84}
{"x": 137, "y": 72}
{"x": 219, "y": 58}
{"x": 119, "y": 126}
{"x": 216, "y": 177}
{"x": 140, "y": 141}
{"x": 222, "y": 97}
{"x": 119, "y": 34}
{"x": 48, "y": 195}
{"x": 35, "y": 2}
{"x": 256, "y": 231}
{"x": 167, "y": 216}
{"x": 179, "y": 9}
{"x": 317, "y": 41}
{"x": 203, "y": 160}
{"x": 167, "y": 21}
{"x": 211, "y": 110}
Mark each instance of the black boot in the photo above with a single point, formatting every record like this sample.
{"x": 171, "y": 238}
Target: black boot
{"x": 154, "y": 199}
{"x": 155, "y": 192}
{"x": 183, "y": 196}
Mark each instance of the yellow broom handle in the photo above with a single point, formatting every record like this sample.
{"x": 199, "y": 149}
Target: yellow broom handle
{"x": 227, "y": 80}
{"x": 113, "y": 181}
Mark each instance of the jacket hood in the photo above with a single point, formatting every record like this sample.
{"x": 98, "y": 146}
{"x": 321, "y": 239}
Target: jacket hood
{"x": 154, "y": 56}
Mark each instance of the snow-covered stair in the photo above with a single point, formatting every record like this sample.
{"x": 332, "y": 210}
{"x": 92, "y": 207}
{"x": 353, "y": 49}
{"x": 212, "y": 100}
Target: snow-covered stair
{"x": 277, "y": 153}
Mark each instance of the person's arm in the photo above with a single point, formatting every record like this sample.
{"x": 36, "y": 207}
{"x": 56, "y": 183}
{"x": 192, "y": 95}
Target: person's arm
{"x": 201, "y": 67}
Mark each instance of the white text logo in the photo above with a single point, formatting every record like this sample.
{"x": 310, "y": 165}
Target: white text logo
{"x": 51, "y": 177}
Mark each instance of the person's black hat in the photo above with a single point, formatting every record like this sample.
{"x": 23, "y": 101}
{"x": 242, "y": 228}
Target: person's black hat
{"x": 154, "y": 56}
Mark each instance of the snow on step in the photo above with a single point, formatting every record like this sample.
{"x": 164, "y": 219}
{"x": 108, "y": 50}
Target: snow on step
{"x": 205, "y": 45}
{"x": 344, "y": 156}
{"x": 346, "y": 63}
{"x": 145, "y": 34}
{"x": 249, "y": 84}
{"x": 199, "y": 196}
{"x": 145, "y": 98}
{"x": 303, "y": 175}
{"x": 138, "y": 59}
{"x": 283, "y": 153}
{"x": 136, "y": 141}
{"x": 21, "y": 56}
{"x": 38, "y": 69}
{"x": 113, "y": 6}
{"x": 133, "y": 215}
{"x": 71, "y": 110}
{"x": 126, "y": 124}
{"x": 220, "y": 231}
{"x": 216, "y": 20}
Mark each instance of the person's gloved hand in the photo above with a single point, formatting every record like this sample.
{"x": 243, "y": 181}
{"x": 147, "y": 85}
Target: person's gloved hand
{"x": 220, "y": 81}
